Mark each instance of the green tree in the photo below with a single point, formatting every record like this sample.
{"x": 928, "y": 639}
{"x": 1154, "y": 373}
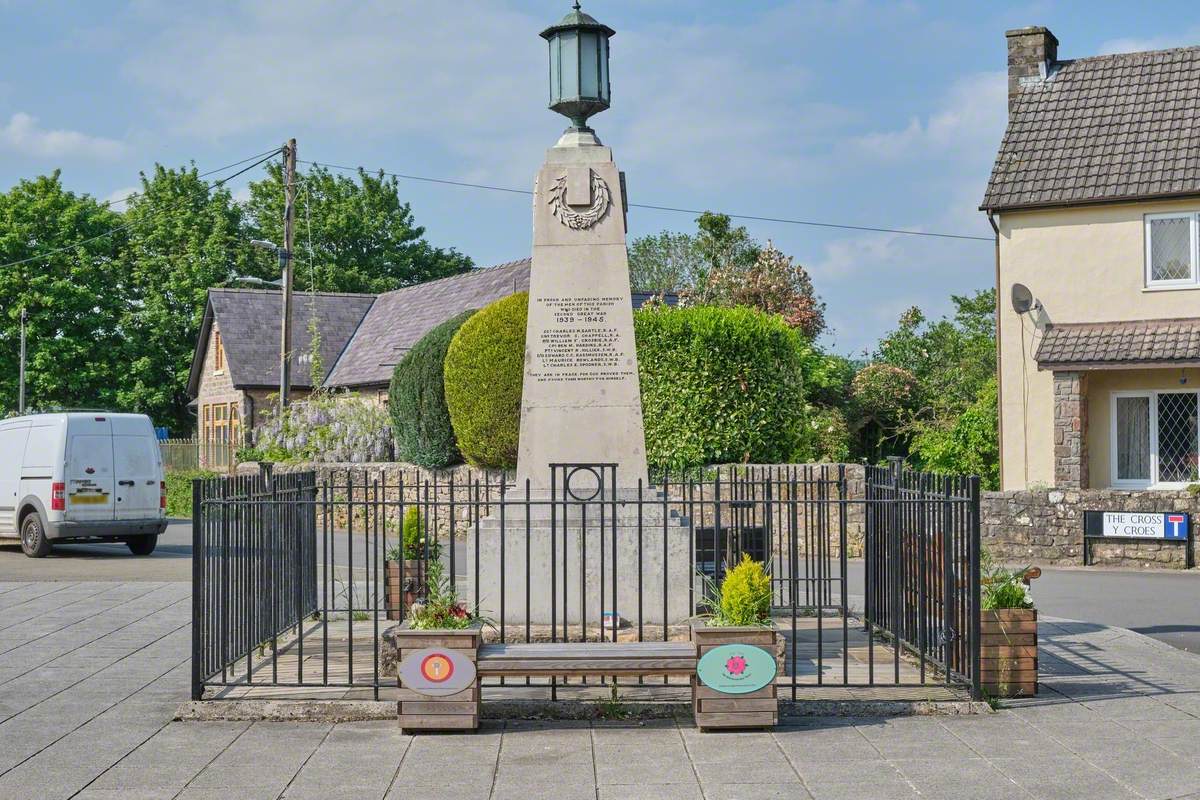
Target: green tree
{"x": 363, "y": 238}
{"x": 76, "y": 299}
{"x": 664, "y": 262}
{"x": 184, "y": 238}
{"x": 967, "y": 444}
{"x": 773, "y": 283}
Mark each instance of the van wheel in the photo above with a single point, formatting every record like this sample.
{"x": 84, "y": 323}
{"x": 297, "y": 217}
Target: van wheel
{"x": 142, "y": 545}
{"x": 33, "y": 537}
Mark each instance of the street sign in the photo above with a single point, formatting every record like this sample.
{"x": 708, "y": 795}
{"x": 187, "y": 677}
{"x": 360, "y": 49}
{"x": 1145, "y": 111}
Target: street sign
{"x": 437, "y": 671}
{"x": 736, "y": 668}
{"x": 1171, "y": 526}
{"x": 1133, "y": 526}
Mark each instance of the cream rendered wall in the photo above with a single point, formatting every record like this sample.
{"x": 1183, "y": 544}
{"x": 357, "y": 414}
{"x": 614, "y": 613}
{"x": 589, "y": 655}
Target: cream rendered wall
{"x": 1084, "y": 265}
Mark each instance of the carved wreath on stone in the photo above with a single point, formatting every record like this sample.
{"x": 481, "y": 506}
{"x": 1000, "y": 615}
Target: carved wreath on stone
{"x": 580, "y": 220}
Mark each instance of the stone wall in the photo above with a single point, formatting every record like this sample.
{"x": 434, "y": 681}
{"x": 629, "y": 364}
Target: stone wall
{"x": 1045, "y": 527}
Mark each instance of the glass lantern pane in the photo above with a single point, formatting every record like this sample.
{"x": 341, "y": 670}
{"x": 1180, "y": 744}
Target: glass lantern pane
{"x": 569, "y": 54}
{"x": 604, "y": 68}
{"x": 555, "y": 76}
{"x": 589, "y": 64}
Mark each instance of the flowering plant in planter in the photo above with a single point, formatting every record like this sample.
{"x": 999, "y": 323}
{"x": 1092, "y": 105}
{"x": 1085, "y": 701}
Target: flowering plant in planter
{"x": 1008, "y": 627}
{"x": 743, "y": 596}
{"x": 441, "y": 609}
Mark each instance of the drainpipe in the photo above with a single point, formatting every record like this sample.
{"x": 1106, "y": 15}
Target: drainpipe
{"x": 999, "y": 383}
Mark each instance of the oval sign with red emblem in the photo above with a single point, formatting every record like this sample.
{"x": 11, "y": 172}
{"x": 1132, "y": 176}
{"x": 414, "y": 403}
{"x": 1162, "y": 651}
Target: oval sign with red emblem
{"x": 736, "y": 668}
{"x": 436, "y": 672}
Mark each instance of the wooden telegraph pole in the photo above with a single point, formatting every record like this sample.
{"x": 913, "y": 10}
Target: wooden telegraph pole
{"x": 21, "y": 374}
{"x": 285, "y": 263}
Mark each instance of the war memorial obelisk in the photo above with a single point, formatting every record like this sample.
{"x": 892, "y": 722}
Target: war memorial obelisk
{"x": 580, "y": 401}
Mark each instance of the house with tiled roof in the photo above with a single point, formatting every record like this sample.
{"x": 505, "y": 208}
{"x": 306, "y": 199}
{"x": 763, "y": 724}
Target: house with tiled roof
{"x": 235, "y": 370}
{"x": 1095, "y": 200}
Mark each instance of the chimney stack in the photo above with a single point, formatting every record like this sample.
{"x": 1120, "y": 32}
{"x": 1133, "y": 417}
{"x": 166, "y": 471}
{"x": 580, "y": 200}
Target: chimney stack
{"x": 1031, "y": 52}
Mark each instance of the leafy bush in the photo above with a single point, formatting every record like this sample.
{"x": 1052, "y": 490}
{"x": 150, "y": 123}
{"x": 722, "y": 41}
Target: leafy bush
{"x": 179, "y": 491}
{"x": 417, "y": 400}
{"x": 968, "y": 444}
{"x": 719, "y": 385}
{"x": 325, "y": 427}
{"x": 744, "y": 597}
{"x": 483, "y": 372}
{"x": 826, "y": 436}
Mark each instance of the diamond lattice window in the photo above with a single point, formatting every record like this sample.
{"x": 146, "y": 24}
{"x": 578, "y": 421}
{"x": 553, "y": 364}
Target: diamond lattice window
{"x": 1177, "y": 445}
{"x": 1171, "y": 249}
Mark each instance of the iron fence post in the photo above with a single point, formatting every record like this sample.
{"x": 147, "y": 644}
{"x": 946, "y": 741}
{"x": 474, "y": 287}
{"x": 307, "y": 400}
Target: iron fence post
{"x": 976, "y": 608}
{"x": 198, "y": 593}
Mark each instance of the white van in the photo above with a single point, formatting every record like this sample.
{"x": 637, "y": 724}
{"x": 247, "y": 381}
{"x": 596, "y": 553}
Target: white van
{"x": 80, "y": 476}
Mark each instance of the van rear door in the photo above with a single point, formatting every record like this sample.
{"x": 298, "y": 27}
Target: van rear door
{"x": 89, "y": 469}
{"x": 138, "y": 469}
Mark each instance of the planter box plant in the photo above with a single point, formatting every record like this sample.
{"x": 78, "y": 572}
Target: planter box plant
{"x": 404, "y": 574}
{"x": 735, "y": 687}
{"x": 1008, "y": 634}
{"x": 443, "y": 631}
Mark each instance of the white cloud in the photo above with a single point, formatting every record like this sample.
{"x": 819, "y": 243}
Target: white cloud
{"x": 844, "y": 257}
{"x": 22, "y": 134}
{"x": 696, "y": 101}
{"x": 119, "y": 199}
{"x": 968, "y": 124}
{"x": 1137, "y": 45}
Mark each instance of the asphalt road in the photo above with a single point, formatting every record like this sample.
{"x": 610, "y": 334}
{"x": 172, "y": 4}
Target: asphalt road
{"x": 1161, "y": 604}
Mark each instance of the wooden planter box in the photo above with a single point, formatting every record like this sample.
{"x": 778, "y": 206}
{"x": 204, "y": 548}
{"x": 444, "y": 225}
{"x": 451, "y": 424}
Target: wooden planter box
{"x": 459, "y": 711}
{"x": 714, "y": 709}
{"x": 1008, "y": 652}
{"x": 400, "y": 593}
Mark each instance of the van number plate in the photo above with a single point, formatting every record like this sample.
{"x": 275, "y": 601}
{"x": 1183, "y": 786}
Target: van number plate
{"x": 89, "y": 499}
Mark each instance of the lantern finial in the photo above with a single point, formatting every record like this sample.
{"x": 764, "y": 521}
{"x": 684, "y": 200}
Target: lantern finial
{"x": 579, "y": 86}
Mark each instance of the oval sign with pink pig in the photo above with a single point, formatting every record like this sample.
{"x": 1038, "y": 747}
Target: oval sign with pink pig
{"x": 736, "y": 668}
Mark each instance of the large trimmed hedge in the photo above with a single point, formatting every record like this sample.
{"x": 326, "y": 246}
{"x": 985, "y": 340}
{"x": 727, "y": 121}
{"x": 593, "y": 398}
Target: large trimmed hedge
{"x": 719, "y": 385}
{"x": 417, "y": 400}
{"x": 483, "y": 371}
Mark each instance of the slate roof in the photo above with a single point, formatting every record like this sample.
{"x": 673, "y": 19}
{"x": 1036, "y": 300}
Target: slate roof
{"x": 249, "y": 323}
{"x": 1102, "y": 129}
{"x": 1133, "y": 343}
{"x": 398, "y": 319}
{"x": 363, "y": 336}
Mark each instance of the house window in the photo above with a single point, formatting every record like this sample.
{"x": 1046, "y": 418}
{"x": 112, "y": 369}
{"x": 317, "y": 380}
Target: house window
{"x": 220, "y": 429}
{"x": 1155, "y": 439}
{"x": 218, "y": 354}
{"x": 1171, "y": 250}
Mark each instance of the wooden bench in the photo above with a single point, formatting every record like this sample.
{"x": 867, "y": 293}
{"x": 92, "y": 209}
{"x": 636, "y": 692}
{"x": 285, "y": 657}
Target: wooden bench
{"x": 577, "y": 659}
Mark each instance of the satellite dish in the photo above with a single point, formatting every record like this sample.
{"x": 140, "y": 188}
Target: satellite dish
{"x": 1022, "y": 298}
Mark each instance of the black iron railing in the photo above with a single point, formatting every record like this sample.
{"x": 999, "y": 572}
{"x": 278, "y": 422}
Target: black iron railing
{"x": 298, "y": 577}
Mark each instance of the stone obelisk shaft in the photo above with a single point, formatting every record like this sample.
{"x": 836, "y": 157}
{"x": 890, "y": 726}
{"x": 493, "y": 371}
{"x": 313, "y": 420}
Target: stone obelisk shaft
{"x": 581, "y": 401}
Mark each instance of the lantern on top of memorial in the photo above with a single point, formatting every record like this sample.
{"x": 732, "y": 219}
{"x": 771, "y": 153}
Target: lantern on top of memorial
{"x": 578, "y": 66}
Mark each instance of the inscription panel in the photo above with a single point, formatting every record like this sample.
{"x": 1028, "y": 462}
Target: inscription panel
{"x": 582, "y": 343}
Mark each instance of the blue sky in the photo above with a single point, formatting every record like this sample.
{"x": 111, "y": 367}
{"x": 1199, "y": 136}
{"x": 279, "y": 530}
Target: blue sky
{"x": 865, "y": 113}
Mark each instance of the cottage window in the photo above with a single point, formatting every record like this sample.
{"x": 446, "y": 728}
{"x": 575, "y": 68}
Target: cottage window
{"x": 1155, "y": 439}
{"x": 1171, "y": 243}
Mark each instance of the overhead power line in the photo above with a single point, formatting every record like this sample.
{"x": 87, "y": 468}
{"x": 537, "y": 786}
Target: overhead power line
{"x": 54, "y": 251}
{"x": 783, "y": 220}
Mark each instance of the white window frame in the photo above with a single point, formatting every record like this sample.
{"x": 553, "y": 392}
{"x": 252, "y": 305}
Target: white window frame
{"x": 1191, "y": 282}
{"x": 1153, "y": 482}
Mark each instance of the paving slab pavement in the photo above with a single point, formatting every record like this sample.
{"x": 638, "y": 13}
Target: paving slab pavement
{"x": 91, "y": 673}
